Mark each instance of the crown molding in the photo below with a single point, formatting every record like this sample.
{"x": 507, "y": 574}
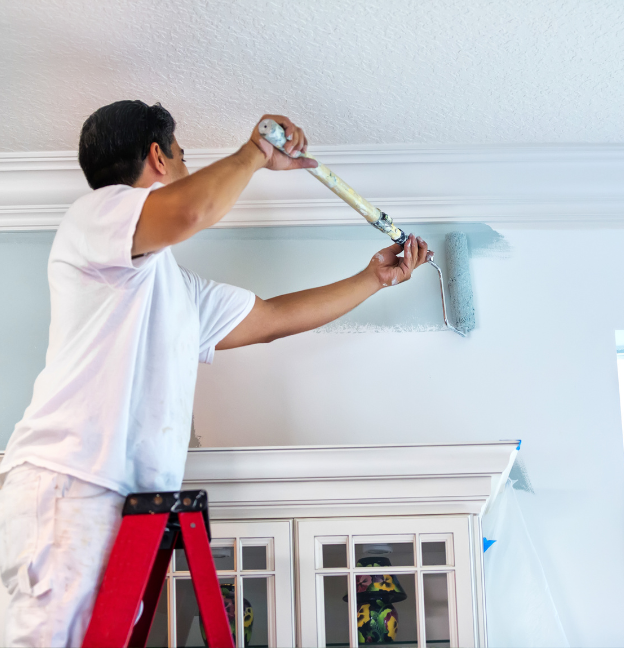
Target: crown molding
{"x": 536, "y": 186}
{"x": 357, "y": 154}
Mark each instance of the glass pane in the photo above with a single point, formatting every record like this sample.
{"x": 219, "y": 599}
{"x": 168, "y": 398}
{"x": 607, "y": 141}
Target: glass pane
{"x": 180, "y": 560}
{"x": 433, "y": 553}
{"x": 336, "y": 610}
{"x": 254, "y": 558}
{"x": 222, "y": 553}
{"x": 188, "y": 629}
{"x": 435, "y": 588}
{"x": 159, "y": 634}
{"x": 255, "y": 603}
{"x": 189, "y": 626}
{"x": 386, "y": 609}
{"x": 334, "y": 555}
{"x": 399, "y": 554}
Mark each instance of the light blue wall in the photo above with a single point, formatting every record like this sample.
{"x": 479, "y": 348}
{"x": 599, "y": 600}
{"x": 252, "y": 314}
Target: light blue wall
{"x": 24, "y": 322}
{"x": 268, "y": 261}
{"x": 272, "y": 261}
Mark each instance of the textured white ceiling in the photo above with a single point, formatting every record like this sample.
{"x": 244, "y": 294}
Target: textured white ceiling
{"x": 349, "y": 71}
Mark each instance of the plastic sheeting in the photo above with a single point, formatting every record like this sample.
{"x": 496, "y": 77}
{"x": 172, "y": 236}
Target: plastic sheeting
{"x": 520, "y": 610}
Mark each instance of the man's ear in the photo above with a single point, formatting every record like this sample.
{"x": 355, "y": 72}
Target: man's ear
{"x": 156, "y": 159}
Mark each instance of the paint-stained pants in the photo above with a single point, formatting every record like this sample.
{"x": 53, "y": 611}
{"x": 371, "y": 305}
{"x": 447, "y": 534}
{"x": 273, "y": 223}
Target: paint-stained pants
{"x": 56, "y": 533}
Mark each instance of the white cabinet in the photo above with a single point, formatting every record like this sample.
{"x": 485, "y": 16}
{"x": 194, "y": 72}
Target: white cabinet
{"x": 333, "y": 546}
{"x": 406, "y": 579}
{"x": 254, "y": 564}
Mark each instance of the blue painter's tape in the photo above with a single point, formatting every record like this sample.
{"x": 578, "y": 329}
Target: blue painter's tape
{"x": 519, "y": 444}
{"x": 487, "y": 544}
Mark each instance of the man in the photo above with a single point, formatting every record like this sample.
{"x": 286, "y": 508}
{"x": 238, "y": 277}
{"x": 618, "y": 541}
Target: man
{"x": 111, "y": 411}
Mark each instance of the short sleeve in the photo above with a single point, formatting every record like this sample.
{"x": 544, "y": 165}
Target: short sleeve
{"x": 221, "y": 308}
{"x": 108, "y": 219}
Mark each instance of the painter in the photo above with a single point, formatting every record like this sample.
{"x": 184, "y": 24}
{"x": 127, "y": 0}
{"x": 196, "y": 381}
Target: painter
{"x": 111, "y": 411}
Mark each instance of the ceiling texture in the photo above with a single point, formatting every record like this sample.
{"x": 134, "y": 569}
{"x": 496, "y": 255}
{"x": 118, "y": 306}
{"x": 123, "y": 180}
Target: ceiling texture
{"x": 350, "y": 72}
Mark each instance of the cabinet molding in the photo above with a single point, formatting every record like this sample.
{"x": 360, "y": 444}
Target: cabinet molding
{"x": 317, "y": 481}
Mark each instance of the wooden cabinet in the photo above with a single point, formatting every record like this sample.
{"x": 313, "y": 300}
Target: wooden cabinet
{"x": 337, "y": 546}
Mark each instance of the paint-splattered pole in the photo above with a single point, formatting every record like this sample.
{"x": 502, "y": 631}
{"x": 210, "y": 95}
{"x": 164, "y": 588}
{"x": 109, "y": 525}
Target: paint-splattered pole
{"x": 274, "y": 134}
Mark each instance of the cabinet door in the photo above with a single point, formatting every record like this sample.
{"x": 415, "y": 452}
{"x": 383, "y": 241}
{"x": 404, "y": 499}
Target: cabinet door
{"x": 374, "y": 580}
{"x": 254, "y": 565}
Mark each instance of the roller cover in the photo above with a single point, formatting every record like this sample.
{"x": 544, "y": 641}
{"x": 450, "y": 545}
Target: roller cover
{"x": 459, "y": 284}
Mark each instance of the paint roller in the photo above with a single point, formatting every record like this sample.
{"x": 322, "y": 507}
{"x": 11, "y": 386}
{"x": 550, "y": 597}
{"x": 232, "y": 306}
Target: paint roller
{"x": 456, "y": 244}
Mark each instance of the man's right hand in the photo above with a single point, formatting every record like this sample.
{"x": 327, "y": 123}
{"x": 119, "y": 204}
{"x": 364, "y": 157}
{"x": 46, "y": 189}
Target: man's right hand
{"x": 274, "y": 158}
{"x": 174, "y": 213}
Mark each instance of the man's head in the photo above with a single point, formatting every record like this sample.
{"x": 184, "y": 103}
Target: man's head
{"x": 129, "y": 142}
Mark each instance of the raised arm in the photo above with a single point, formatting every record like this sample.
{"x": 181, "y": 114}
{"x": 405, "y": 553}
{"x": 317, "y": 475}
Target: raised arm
{"x": 194, "y": 202}
{"x": 308, "y": 309}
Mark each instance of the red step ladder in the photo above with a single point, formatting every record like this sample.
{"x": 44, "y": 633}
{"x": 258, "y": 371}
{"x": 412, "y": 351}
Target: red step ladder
{"x": 153, "y": 525}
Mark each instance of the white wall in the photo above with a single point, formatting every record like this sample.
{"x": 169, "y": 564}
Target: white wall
{"x": 541, "y": 366}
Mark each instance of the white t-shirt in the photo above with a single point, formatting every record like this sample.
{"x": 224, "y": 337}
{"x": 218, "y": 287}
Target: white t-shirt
{"x": 113, "y": 405}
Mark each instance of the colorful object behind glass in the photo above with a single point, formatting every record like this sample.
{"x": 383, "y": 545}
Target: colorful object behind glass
{"x": 228, "y": 592}
{"x": 378, "y": 621}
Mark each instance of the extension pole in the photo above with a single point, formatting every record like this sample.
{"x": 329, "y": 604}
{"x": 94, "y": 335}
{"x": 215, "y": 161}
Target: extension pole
{"x": 274, "y": 134}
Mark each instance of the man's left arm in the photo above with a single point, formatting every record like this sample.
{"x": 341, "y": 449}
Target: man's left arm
{"x": 297, "y": 312}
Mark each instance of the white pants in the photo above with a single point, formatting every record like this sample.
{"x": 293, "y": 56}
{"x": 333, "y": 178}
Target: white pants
{"x": 56, "y": 533}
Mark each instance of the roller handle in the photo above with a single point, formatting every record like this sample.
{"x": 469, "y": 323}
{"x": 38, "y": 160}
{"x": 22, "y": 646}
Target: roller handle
{"x": 275, "y": 135}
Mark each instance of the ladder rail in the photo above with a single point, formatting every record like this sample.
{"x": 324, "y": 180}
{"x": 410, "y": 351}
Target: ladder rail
{"x": 205, "y": 581}
{"x": 125, "y": 580}
{"x": 152, "y": 526}
{"x": 152, "y": 595}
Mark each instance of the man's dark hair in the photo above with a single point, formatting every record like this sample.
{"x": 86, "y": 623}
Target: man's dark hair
{"x": 115, "y": 140}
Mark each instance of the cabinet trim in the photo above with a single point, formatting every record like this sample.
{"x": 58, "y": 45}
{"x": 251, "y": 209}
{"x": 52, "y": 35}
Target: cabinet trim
{"x": 317, "y": 481}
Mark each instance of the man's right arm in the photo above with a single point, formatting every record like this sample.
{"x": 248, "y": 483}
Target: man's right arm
{"x": 177, "y": 211}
